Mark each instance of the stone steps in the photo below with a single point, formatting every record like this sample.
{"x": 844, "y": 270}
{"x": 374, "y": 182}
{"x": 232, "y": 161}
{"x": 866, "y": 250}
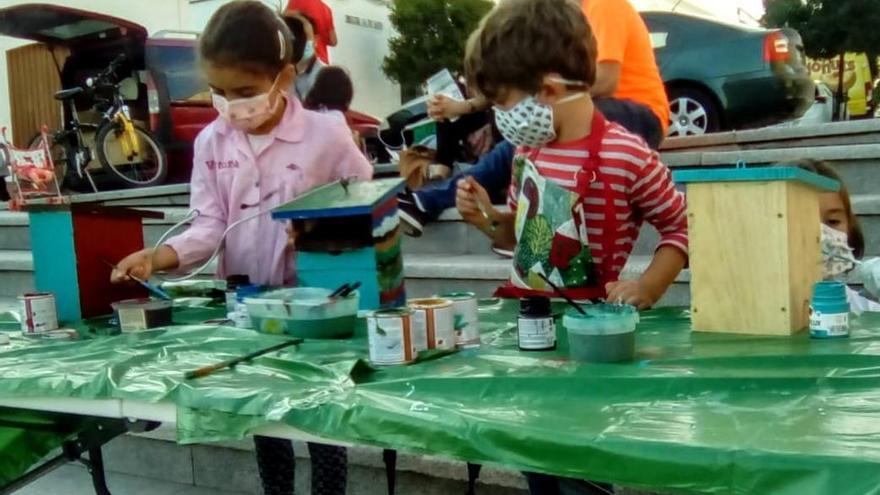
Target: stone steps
{"x": 155, "y": 455}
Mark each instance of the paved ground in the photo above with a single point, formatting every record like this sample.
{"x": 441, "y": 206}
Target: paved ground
{"x": 74, "y": 480}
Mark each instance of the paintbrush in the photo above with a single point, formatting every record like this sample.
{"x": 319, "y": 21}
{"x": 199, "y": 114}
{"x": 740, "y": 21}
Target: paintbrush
{"x": 231, "y": 363}
{"x": 155, "y": 290}
{"x": 561, "y": 294}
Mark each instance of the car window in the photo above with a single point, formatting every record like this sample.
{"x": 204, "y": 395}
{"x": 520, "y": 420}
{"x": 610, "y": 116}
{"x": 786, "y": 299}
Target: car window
{"x": 181, "y": 70}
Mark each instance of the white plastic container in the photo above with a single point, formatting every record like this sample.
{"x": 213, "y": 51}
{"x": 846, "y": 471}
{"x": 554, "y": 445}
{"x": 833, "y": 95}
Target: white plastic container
{"x": 304, "y": 312}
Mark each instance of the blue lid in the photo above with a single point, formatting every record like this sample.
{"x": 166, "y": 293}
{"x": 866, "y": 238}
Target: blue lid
{"x": 757, "y": 174}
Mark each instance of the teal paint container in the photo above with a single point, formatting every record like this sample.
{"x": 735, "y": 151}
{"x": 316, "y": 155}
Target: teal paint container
{"x": 829, "y": 311}
{"x": 606, "y": 334}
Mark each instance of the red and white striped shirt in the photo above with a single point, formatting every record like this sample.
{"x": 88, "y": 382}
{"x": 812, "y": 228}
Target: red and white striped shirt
{"x": 641, "y": 188}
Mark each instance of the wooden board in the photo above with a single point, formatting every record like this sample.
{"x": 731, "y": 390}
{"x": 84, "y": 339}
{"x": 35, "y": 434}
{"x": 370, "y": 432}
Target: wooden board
{"x": 805, "y": 250}
{"x": 746, "y": 239}
{"x": 33, "y": 81}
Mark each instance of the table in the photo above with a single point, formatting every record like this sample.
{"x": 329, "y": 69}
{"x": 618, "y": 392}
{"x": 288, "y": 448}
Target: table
{"x": 696, "y": 412}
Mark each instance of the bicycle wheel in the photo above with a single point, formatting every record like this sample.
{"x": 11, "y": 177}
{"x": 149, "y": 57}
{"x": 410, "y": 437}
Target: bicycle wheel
{"x": 148, "y": 167}
{"x": 59, "y": 157}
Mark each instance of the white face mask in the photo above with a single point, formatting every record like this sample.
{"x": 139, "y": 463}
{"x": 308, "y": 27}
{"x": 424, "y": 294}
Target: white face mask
{"x": 530, "y": 122}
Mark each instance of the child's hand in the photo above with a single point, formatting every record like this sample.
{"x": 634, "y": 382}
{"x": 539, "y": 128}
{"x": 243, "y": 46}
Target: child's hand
{"x": 442, "y": 107}
{"x": 139, "y": 264}
{"x": 474, "y": 204}
{"x": 629, "y": 292}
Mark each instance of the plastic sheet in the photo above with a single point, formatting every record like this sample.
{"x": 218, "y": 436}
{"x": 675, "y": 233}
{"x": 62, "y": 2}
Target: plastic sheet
{"x": 696, "y": 412}
{"x": 22, "y": 447}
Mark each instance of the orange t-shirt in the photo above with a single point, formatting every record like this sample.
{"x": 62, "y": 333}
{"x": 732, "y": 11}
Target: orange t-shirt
{"x": 623, "y": 37}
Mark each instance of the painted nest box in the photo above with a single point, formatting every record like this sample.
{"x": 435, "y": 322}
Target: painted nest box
{"x": 755, "y": 250}
{"x": 71, "y": 242}
{"x": 350, "y": 232}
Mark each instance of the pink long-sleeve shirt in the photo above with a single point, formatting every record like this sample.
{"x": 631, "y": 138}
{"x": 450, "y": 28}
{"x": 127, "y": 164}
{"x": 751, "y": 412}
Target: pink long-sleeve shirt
{"x": 229, "y": 183}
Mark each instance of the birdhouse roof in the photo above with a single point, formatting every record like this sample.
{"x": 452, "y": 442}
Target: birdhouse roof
{"x": 757, "y": 174}
{"x": 336, "y": 200}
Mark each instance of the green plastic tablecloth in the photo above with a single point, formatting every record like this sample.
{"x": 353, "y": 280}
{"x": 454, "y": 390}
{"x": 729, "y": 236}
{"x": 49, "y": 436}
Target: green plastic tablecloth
{"x": 696, "y": 412}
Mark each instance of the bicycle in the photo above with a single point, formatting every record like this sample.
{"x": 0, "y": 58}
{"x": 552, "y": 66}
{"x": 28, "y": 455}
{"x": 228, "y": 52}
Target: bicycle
{"x": 126, "y": 151}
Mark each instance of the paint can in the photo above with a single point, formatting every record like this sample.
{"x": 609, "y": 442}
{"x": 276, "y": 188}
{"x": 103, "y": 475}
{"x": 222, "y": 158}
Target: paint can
{"x": 434, "y": 318}
{"x": 135, "y": 315}
{"x": 467, "y": 319}
{"x": 389, "y": 333}
{"x": 38, "y": 313}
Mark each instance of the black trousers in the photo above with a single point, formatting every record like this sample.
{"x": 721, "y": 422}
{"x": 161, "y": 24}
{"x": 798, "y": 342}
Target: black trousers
{"x": 277, "y": 464}
{"x": 635, "y": 117}
{"x": 452, "y": 136}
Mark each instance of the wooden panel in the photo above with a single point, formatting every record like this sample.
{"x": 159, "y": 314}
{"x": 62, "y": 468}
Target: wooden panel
{"x": 739, "y": 258}
{"x": 94, "y": 242}
{"x": 805, "y": 250}
{"x": 33, "y": 80}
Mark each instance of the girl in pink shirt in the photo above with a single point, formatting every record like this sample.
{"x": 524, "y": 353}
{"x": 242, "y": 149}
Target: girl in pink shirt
{"x": 264, "y": 150}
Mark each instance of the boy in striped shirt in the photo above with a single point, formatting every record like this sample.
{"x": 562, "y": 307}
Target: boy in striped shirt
{"x": 582, "y": 186}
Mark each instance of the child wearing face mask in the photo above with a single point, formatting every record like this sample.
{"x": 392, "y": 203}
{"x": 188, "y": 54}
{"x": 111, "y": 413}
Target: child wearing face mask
{"x": 306, "y": 60}
{"x": 582, "y": 186}
{"x": 264, "y": 150}
{"x": 842, "y": 227}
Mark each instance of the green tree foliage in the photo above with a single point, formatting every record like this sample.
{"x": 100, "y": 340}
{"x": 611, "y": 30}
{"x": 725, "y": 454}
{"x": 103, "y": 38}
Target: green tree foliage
{"x": 431, "y": 36}
{"x": 830, "y": 28}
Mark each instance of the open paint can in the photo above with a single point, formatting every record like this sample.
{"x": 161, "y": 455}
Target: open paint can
{"x": 136, "y": 315}
{"x": 390, "y": 337}
{"x": 434, "y": 318}
{"x": 38, "y": 313}
{"x": 466, "y": 322}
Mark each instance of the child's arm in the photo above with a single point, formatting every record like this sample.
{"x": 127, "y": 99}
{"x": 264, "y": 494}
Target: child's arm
{"x": 195, "y": 245}
{"x": 348, "y": 159}
{"x": 654, "y": 196}
{"x": 475, "y": 206}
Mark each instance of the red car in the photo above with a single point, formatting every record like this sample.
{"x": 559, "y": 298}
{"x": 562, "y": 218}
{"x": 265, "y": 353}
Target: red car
{"x": 167, "y": 91}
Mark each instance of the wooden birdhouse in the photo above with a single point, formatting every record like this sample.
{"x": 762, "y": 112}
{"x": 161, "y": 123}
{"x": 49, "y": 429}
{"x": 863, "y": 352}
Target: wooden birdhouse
{"x": 755, "y": 249}
{"x": 349, "y": 232}
{"x": 71, "y": 241}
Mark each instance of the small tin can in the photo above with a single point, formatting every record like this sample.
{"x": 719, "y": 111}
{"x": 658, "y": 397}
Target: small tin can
{"x": 467, "y": 319}
{"x": 38, "y": 313}
{"x": 435, "y": 319}
{"x": 389, "y": 333}
{"x": 536, "y": 328}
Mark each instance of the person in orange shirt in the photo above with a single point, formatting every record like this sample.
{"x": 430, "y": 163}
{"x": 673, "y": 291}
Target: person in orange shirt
{"x": 628, "y": 89}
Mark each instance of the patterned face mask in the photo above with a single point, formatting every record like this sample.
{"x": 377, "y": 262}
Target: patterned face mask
{"x": 530, "y": 122}
{"x": 837, "y": 256}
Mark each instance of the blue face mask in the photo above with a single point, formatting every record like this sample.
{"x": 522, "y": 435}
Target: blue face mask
{"x": 309, "y": 52}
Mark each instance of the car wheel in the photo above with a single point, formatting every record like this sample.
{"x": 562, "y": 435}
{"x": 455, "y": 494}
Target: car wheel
{"x": 692, "y": 113}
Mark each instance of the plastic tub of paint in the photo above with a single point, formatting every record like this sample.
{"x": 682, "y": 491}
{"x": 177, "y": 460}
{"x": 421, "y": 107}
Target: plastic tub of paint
{"x": 304, "y": 312}
{"x": 605, "y": 335}
{"x": 136, "y": 315}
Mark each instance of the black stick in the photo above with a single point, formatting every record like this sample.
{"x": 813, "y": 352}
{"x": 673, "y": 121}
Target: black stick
{"x": 561, "y": 294}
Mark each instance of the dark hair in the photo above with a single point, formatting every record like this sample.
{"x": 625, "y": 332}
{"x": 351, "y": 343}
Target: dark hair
{"x": 521, "y": 41}
{"x": 249, "y": 35}
{"x": 332, "y": 90}
{"x": 855, "y": 234}
{"x": 294, "y": 19}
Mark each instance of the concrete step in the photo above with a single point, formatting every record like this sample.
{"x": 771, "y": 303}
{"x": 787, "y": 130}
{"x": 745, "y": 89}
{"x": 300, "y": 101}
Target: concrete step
{"x": 831, "y": 134}
{"x": 232, "y": 466}
{"x": 858, "y": 164}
